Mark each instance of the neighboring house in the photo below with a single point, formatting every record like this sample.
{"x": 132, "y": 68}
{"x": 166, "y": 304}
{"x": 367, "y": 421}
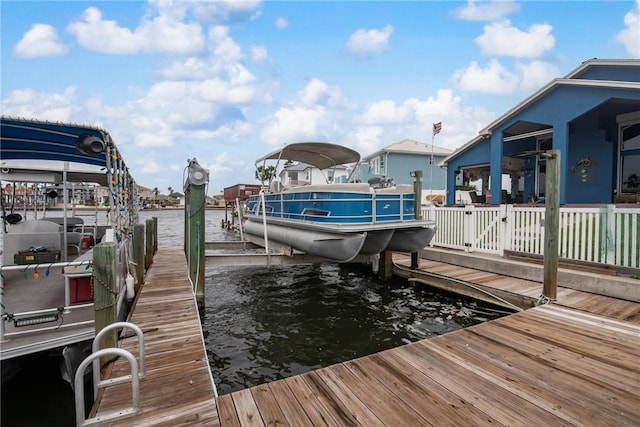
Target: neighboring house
{"x": 304, "y": 174}
{"x": 592, "y": 116}
{"x": 399, "y": 159}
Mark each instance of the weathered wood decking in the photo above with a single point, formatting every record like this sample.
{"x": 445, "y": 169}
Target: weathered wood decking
{"x": 574, "y": 362}
{"x": 558, "y": 364}
{"x": 178, "y": 388}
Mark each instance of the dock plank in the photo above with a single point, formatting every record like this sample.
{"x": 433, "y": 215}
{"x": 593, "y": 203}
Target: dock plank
{"x": 572, "y": 362}
{"x": 177, "y": 389}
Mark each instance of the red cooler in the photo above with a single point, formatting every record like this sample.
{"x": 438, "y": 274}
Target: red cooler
{"x": 81, "y": 289}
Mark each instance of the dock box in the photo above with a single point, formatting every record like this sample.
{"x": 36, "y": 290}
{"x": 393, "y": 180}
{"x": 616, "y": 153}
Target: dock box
{"x": 81, "y": 288}
{"x": 28, "y": 257}
{"x": 240, "y": 192}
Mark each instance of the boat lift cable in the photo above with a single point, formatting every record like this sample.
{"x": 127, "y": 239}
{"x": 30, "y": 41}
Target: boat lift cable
{"x": 461, "y": 282}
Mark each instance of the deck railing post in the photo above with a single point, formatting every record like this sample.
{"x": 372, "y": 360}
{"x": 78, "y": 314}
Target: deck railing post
{"x": 105, "y": 289}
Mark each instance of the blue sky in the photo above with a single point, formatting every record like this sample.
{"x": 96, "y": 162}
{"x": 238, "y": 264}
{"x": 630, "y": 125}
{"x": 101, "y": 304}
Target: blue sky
{"x": 228, "y": 81}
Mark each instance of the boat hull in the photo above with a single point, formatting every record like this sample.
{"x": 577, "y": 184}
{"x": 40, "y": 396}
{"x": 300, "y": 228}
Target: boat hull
{"x": 340, "y": 247}
{"x": 411, "y": 239}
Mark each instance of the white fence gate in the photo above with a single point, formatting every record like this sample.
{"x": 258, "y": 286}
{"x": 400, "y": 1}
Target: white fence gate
{"x": 606, "y": 234}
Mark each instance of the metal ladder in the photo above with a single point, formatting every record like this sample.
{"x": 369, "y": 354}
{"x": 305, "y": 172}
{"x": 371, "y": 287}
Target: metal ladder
{"x": 137, "y": 372}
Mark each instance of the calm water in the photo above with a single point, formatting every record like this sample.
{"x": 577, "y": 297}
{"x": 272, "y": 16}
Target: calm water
{"x": 263, "y": 324}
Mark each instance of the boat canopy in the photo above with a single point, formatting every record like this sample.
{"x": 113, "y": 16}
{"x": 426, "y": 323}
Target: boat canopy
{"x": 33, "y": 139}
{"x": 321, "y": 155}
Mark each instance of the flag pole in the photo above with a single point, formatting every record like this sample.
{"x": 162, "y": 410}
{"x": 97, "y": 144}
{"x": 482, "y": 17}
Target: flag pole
{"x": 437, "y": 127}
{"x": 433, "y": 136}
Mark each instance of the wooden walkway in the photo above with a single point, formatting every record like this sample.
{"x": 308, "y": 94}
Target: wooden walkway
{"x": 529, "y": 289}
{"x": 574, "y": 362}
{"x": 178, "y": 388}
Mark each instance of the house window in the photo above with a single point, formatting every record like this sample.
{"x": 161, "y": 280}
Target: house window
{"x": 377, "y": 165}
{"x": 630, "y": 158}
{"x": 330, "y": 175}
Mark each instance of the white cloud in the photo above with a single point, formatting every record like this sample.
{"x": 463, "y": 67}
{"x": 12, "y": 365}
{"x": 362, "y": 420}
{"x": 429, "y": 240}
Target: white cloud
{"x": 318, "y": 92}
{"x": 40, "y": 41}
{"x": 630, "y": 36}
{"x": 294, "y": 124}
{"x": 220, "y": 164}
{"x": 384, "y": 112}
{"x": 502, "y": 39}
{"x": 491, "y": 10}
{"x": 494, "y": 79}
{"x": 164, "y": 33}
{"x": 535, "y": 75}
{"x": 28, "y": 103}
{"x": 363, "y": 42}
{"x": 218, "y": 11}
{"x": 258, "y": 54}
{"x": 282, "y": 23}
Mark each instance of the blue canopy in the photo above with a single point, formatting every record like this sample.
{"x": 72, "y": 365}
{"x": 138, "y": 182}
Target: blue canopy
{"x": 22, "y": 139}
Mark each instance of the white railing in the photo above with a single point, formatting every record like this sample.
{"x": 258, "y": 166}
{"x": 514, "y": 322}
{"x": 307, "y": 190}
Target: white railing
{"x": 607, "y": 234}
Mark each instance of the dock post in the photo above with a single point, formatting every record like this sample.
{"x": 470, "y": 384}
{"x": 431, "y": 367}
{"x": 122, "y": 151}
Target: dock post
{"x": 385, "y": 266}
{"x": 138, "y": 253}
{"x": 195, "y": 188}
{"x": 155, "y": 234}
{"x": 552, "y": 223}
{"x": 417, "y": 210}
{"x": 148, "y": 260}
{"x": 105, "y": 291}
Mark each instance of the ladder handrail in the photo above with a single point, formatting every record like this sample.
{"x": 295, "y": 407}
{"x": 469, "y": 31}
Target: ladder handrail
{"x": 79, "y": 387}
{"x": 96, "y": 362}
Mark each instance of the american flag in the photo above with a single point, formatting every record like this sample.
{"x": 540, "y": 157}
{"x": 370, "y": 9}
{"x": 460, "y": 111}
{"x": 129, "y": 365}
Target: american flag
{"x": 437, "y": 127}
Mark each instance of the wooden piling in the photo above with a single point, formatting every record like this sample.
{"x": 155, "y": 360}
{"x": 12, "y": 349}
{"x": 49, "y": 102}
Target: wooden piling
{"x": 194, "y": 231}
{"x": 552, "y": 223}
{"x": 385, "y": 267}
{"x": 105, "y": 291}
{"x": 149, "y": 243}
{"x": 417, "y": 209}
{"x": 138, "y": 253}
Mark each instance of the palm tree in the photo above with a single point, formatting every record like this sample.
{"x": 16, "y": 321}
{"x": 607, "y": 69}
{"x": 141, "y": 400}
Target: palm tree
{"x": 266, "y": 173}
{"x": 170, "y": 191}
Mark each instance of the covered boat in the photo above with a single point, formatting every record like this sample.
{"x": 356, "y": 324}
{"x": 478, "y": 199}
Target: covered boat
{"x": 337, "y": 221}
{"x": 47, "y": 244}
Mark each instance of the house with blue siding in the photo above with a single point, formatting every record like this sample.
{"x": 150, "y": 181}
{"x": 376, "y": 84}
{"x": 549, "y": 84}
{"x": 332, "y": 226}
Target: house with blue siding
{"x": 397, "y": 160}
{"x": 591, "y": 116}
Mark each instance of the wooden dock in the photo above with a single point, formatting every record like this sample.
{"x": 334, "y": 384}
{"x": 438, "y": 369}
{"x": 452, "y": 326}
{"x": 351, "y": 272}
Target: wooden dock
{"x": 573, "y": 362}
{"x": 178, "y": 389}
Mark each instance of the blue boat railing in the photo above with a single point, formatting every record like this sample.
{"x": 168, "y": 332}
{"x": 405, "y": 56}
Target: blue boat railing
{"x": 336, "y": 207}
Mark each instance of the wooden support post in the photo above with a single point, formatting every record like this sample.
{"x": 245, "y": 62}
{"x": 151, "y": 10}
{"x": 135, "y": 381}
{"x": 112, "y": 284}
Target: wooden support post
{"x": 138, "y": 253}
{"x": 194, "y": 213}
{"x": 105, "y": 291}
{"x": 385, "y": 268}
{"x": 551, "y": 224}
{"x": 148, "y": 243}
{"x": 155, "y": 234}
{"x": 417, "y": 210}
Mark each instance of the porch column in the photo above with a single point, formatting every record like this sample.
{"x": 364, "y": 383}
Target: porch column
{"x": 561, "y": 143}
{"x": 495, "y": 166}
